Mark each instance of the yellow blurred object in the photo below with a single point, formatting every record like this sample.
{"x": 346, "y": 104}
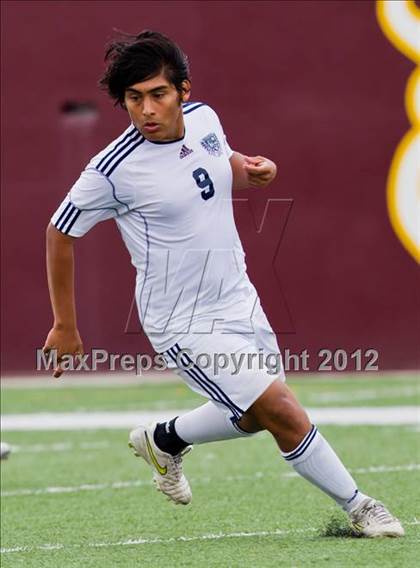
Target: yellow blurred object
{"x": 400, "y": 22}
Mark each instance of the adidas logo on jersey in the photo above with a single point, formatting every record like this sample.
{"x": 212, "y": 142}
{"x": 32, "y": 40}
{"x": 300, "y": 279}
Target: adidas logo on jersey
{"x": 185, "y": 152}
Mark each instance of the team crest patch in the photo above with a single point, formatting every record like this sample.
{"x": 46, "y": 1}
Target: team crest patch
{"x": 211, "y": 144}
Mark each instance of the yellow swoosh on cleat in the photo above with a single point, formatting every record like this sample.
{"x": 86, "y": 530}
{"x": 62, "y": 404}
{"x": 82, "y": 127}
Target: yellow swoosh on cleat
{"x": 160, "y": 469}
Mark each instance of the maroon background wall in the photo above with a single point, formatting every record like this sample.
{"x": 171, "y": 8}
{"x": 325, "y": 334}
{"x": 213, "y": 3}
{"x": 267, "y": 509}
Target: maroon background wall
{"x": 314, "y": 85}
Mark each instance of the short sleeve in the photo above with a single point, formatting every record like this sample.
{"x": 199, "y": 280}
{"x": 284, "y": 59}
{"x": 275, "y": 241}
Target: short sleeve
{"x": 226, "y": 146}
{"x": 228, "y": 149}
{"x": 91, "y": 200}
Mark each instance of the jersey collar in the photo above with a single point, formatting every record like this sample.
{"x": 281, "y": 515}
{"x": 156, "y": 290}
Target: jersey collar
{"x": 168, "y": 141}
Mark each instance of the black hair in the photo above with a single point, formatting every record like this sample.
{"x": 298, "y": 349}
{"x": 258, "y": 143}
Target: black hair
{"x": 132, "y": 59}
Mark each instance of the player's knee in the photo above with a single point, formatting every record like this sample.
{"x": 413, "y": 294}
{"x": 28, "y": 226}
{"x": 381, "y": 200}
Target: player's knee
{"x": 248, "y": 424}
{"x": 279, "y": 411}
{"x": 284, "y": 411}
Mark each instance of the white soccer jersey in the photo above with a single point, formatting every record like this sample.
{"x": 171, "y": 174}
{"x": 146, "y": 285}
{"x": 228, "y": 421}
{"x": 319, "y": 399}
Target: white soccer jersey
{"x": 172, "y": 202}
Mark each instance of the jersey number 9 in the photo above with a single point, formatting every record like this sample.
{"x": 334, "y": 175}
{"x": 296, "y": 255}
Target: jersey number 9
{"x": 203, "y": 180}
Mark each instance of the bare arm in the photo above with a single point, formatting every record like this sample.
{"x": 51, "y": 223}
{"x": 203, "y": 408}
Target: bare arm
{"x": 64, "y": 335}
{"x": 255, "y": 171}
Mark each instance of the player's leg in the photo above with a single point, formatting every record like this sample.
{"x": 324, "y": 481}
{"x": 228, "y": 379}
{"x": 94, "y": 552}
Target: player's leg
{"x": 255, "y": 400}
{"x": 278, "y": 411}
{"x": 207, "y": 423}
{"x": 304, "y": 447}
{"x": 163, "y": 444}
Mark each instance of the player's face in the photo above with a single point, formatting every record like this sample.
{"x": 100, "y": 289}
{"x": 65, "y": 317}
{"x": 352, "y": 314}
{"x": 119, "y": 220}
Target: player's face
{"x": 155, "y": 108}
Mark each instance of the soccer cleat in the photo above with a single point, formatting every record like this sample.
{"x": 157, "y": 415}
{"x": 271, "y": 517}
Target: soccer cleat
{"x": 372, "y": 519}
{"x": 167, "y": 473}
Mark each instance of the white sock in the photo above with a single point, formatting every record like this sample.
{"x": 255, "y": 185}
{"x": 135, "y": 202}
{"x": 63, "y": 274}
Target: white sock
{"x": 207, "y": 423}
{"x": 316, "y": 461}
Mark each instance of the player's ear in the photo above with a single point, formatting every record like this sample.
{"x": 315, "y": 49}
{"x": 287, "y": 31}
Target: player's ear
{"x": 185, "y": 90}
{"x": 121, "y": 101}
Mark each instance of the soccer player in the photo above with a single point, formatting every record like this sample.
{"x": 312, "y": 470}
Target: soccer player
{"x": 167, "y": 181}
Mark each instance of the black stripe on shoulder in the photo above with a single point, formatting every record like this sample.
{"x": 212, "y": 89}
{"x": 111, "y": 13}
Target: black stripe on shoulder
{"x": 123, "y": 156}
{"x": 192, "y": 108}
{"x": 115, "y": 154}
{"x": 126, "y": 138}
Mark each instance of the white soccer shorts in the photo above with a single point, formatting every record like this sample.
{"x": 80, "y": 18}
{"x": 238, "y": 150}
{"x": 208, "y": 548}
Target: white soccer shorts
{"x": 231, "y": 366}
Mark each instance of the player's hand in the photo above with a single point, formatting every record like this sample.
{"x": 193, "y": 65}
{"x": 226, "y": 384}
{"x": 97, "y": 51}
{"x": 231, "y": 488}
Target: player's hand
{"x": 66, "y": 342}
{"x": 261, "y": 171}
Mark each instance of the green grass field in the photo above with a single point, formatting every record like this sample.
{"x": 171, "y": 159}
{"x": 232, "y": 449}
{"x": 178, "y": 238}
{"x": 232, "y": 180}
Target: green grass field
{"x": 79, "y": 498}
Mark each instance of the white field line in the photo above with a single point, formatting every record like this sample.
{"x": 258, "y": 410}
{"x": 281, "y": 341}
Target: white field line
{"x": 100, "y": 445}
{"x": 60, "y": 447}
{"x": 90, "y": 379}
{"x": 387, "y": 415}
{"x": 381, "y": 415}
{"x": 99, "y": 379}
{"x": 196, "y": 481}
{"x": 171, "y": 540}
{"x": 366, "y": 394}
{"x": 44, "y": 421}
